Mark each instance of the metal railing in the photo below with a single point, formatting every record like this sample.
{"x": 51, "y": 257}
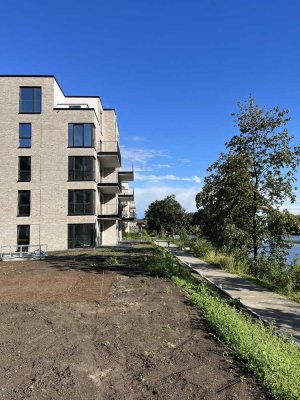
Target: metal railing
{"x": 23, "y": 251}
{"x": 73, "y": 106}
{"x": 128, "y": 214}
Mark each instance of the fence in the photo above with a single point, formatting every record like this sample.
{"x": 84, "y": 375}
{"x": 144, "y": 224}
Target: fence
{"x": 23, "y": 251}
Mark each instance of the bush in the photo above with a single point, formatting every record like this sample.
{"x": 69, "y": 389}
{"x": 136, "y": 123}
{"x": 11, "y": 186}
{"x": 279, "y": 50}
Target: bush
{"x": 294, "y": 272}
{"x": 201, "y": 247}
{"x": 163, "y": 264}
{"x": 141, "y": 235}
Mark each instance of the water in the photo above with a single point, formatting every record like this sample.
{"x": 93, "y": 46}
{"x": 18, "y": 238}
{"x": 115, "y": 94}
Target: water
{"x": 296, "y": 247}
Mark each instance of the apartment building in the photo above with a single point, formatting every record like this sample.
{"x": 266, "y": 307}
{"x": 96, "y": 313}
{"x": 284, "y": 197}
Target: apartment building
{"x": 60, "y": 160}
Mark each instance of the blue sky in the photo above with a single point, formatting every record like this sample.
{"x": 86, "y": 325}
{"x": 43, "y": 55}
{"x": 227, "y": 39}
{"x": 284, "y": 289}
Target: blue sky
{"x": 174, "y": 71}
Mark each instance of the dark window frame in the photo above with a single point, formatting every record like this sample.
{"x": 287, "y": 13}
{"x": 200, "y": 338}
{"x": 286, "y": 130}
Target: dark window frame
{"x": 26, "y": 137}
{"x": 72, "y": 235}
{"x": 75, "y": 175}
{"x": 24, "y": 171}
{"x": 73, "y": 124}
{"x": 21, "y": 242}
{"x": 24, "y": 206}
{"x": 87, "y": 208}
{"x": 33, "y": 100}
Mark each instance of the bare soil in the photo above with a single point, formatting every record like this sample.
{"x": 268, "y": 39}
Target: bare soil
{"x": 66, "y": 334}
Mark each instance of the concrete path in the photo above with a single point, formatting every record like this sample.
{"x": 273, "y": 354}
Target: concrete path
{"x": 269, "y": 306}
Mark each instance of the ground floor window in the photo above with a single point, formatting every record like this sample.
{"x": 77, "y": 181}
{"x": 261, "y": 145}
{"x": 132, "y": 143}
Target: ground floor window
{"x": 81, "y": 235}
{"x": 23, "y": 239}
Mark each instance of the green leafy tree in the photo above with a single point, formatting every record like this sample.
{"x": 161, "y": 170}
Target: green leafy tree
{"x": 241, "y": 199}
{"x": 165, "y": 215}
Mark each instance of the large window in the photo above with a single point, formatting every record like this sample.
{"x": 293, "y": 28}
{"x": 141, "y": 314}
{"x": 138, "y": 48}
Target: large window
{"x": 23, "y": 239}
{"x": 23, "y": 203}
{"x": 81, "y": 235}
{"x": 81, "y": 135}
{"x": 81, "y": 202}
{"x": 30, "y": 100}
{"x": 81, "y": 168}
{"x": 24, "y": 169}
{"x": 25, "y": 135}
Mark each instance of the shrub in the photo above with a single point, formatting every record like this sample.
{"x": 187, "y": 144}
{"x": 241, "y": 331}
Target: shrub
{"x": 201, "y": 247}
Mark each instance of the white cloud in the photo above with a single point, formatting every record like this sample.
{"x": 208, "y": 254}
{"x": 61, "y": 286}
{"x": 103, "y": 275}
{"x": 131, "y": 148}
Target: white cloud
{"x": 293, "y": 208}
{"x": 169, "y": 177}
{"x": 139, "y": 139}
{"x": 185, "y": 196}
{"x": 184, "y": 161}
{"x": 157, "y": 166}
{"x": 141, "y": 155}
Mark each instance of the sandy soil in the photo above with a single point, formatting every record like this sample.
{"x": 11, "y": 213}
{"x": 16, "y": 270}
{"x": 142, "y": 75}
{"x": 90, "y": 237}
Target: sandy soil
{"x": 142, "y": 340}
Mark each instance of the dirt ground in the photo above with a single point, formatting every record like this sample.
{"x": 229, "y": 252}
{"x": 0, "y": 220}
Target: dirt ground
{"x": 66, "y": 334}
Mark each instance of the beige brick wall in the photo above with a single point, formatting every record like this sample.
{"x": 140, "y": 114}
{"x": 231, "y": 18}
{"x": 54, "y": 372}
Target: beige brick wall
{"x": 49, "y": 169}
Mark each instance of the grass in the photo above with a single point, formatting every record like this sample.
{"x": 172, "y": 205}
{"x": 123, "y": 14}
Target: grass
{"x": 271, "y": 277}
{"x": 113, "y": 260}
{"x": 273, "y": 359}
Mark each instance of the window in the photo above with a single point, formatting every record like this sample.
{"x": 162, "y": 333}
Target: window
{"x": 24, "y": 169}
{"x": 23, "y": 237}
{"x": 24, "y": 135}
{"x": 81, "y": 235}
{"x": 81, "y": 135}
{"x": 30, "y": 100}
{"x": 81, "y": 168}
{"x": 81, "y": 202}
{"x": 23, "y": 203}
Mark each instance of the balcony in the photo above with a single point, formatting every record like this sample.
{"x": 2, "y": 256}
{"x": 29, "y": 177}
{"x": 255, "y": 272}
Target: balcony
{"x": 126, "y": 175}
{"x": 110, "y": 184}
{"x": 109, "y": 154}
{"x": 128, "y": 216}
{"x": 109, "y": 212}
{"x": 126, "y": 195}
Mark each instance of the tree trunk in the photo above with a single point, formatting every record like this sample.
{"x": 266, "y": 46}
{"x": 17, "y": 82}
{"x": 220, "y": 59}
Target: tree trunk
{"x": 255, "y": 233}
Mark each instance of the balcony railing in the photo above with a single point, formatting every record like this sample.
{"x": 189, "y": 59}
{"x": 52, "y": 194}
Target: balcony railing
{"x": 126, "y": 195}
{"x": 73, "y": 106}
{"x": 12, "y": 251}
{"x": 127, "y": 192}
{"x": 128, "y": 214}
{"x": 126, "y": 175}
{"x": 109, "y": 209}
{"x": 110, "y": 148}
{"x": 110, "y": 184}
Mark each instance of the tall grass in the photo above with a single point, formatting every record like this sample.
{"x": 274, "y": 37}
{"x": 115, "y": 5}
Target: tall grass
{"x": 141, "y": 235}
{"x": 275, "y": 360}
{"x": 270, "y": 274}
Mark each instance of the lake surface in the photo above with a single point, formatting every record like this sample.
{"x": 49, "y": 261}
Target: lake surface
{"x": 296, "y": 247}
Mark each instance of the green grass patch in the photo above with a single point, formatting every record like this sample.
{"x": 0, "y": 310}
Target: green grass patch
{"x": 270, "y": 276}
{"x": 273, "y": 359}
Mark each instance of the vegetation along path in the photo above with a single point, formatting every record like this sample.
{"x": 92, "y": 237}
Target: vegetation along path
{"x": 269, "y": 306}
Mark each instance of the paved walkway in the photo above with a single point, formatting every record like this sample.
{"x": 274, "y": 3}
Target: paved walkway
{"x": 269, "y": 306}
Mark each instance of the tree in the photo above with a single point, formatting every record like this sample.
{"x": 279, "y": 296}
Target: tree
{"x": 164, "y": 215}
{"x": 241, "y": 199}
